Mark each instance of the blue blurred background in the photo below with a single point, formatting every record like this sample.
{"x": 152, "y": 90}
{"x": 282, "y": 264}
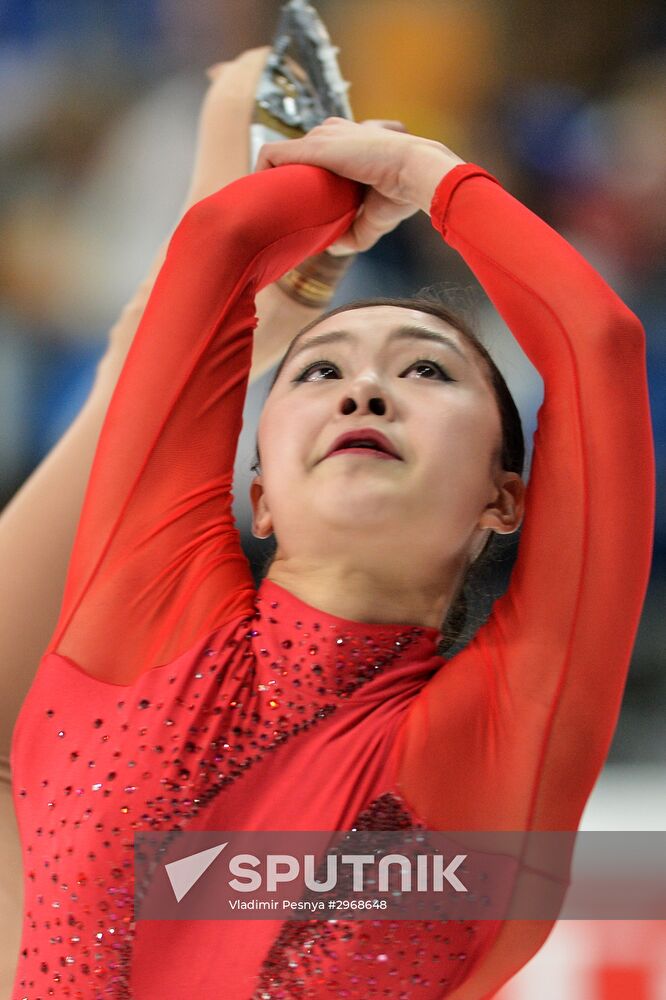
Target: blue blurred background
{"x": 565, "y": 103}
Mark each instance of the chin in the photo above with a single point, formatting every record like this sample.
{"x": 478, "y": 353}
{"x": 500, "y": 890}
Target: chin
{"x": 354, "y": 508}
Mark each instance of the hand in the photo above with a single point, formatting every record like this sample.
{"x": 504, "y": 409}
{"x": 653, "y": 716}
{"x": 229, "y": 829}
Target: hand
{"x": 380, "y": 154}
{"x": 223, "y": 150}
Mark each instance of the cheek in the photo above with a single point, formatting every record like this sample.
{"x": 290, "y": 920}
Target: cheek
{"x": 468, "y": 425}
{"x": 459, "y": 448}
{"x": 281, "y": 435}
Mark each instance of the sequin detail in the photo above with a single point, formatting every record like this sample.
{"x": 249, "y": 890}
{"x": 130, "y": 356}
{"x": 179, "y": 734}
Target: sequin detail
{"x": 369, "y": 958}
{"x": 153, "y": 760}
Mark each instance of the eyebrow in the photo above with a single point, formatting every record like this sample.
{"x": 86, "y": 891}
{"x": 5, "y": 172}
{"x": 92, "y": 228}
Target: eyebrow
{"x": 409, "y": 332}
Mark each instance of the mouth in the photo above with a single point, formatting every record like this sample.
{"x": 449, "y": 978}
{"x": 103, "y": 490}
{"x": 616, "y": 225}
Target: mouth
{"x": 366, "y": 442}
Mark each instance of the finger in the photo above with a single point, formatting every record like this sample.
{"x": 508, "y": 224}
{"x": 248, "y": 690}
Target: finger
{"x": 268, "y": 156}
{"x": 392, "y": 123}
{"x": 379, "y": 216}
{"x": 253, "y": 57}
{"x": 212, "y": 72}
{"x": 273, "y": 154}
{"x": 260, "y": 51}
{"x": 363, "y": 234}
{"x": 341, "y": 249}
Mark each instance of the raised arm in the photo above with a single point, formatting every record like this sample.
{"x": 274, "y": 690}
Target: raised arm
{"x": 521, "y": 720}
{"x": 512, "y": 733}
{"x": 38, "y": 526}
{"x": 157, "y": 561}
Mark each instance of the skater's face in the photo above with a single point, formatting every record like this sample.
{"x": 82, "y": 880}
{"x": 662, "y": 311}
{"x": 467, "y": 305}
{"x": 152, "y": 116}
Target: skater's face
{"x": 417, "y": 381}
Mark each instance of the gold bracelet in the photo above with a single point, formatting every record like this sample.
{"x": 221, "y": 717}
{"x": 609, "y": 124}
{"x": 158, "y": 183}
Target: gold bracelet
{"x": 313, "y": 282}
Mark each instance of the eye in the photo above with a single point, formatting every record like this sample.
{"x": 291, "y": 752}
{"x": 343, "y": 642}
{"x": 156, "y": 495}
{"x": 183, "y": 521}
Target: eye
{"x": 314, "y": 366}
{"x": 425, "y": 363}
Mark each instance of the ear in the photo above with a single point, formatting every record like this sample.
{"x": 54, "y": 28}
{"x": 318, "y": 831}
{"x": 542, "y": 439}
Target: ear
{"x": 262, "y": 523}
{"x": 504, "y": 514}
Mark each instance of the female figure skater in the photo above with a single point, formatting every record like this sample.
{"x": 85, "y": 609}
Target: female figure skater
{"x": 172, "y": 695}
{"x": 37, "y": 528}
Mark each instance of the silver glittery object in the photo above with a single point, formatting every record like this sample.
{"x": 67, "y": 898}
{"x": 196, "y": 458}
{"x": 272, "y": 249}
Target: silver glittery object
{"x": 301, "y": 84}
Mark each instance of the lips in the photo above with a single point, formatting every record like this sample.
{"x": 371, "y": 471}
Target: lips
{"x": 364, "y": 438}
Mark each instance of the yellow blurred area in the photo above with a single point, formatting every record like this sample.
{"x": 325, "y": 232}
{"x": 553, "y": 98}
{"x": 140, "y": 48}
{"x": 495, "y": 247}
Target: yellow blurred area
{"x": 432, "y": 65}
{"x": 564, "y": 102}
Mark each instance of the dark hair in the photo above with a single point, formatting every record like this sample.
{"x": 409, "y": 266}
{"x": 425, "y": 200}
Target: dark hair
{"x": 512, "y": 453}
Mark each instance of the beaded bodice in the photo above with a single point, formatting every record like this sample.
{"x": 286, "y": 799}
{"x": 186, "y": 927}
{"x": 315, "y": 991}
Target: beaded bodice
{"x": 283, "y": 720}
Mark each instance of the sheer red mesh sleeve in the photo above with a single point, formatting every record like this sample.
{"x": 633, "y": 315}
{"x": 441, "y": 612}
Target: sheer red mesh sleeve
{"x": 512, "y": 732}
{"x": 157, "y": 562}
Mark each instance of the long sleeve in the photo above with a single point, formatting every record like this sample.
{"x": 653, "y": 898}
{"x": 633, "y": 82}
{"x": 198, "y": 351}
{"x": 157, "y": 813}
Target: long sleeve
{"x": 157, "y": 562}
{"x": 512, "y": 732}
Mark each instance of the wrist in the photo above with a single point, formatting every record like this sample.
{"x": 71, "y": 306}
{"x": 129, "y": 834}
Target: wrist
{"x": 426, "y": 164}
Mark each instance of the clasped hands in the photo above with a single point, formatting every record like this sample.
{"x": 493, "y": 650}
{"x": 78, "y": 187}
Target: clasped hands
{"x": 400, "y": 170}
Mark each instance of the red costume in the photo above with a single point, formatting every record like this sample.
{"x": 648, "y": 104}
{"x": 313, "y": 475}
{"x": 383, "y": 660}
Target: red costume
{"x": 174, "y": 696}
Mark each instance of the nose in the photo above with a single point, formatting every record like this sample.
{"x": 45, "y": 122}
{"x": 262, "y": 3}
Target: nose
{"x": 367, "y": 396}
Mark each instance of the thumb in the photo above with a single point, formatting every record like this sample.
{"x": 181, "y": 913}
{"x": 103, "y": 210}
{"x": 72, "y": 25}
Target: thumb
{"x": 378, "y": 215}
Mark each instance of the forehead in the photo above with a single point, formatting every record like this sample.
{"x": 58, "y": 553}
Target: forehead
{"x": 379, "y": 321}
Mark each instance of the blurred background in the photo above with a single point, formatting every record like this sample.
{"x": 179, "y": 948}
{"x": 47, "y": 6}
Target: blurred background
{"x": 565, "y": 103}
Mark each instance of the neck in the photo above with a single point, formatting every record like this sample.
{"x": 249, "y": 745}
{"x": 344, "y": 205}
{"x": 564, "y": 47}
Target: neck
{"x": 359, "y": 594}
